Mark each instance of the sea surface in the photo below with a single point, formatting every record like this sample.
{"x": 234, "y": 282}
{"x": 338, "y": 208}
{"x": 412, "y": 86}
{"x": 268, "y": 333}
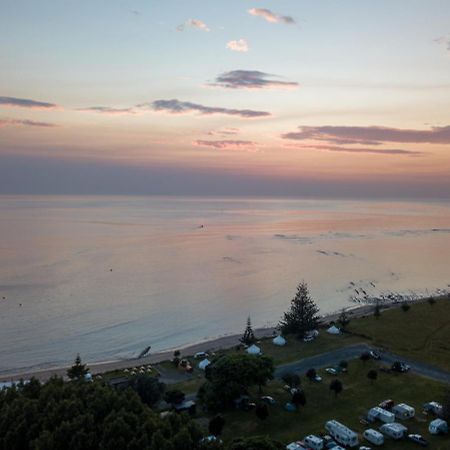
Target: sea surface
{"x": 108, "y": 276}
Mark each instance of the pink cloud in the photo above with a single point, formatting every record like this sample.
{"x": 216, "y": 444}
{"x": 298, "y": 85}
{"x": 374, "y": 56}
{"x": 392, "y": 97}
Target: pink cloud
{"x": 227, "y": 144}
{"x": 193, "y": 23}
{"x": 239, "y": 45}
{"x": 270, "y": 16}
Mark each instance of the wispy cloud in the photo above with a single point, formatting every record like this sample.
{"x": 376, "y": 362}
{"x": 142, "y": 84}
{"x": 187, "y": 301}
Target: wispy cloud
{"x": 377, "y": 151}
{"x": 25, "y": 103}
{"x": 224, "y": 132}
{"x": 443, "y": 40}
{"x": 251, "y": 79}
{"x": 227, "y": 144}
{"x": 270, "y": 16}
{"x": 373, "y": 135}
{"x": 193, "y": 23}
{"x": 108, "y": 110}
{"x": 175, "y": 106}
{"x": 26, "y": 123}
{"x": 239, "y": 45}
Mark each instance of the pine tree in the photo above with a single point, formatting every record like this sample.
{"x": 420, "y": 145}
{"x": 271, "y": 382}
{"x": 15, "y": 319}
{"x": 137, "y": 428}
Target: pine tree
{"x": 249, "y": 336}
{"x": 343, "y": 319}
{"x": 78, "y": 370}
{"x": 302, "y": 316}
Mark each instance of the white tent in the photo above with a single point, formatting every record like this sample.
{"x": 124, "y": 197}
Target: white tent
{"x": 204, "y": 363}
{"x": 279, "y": 340}
{"x": 334, "y": 330}
{"x": 254, "y": 350}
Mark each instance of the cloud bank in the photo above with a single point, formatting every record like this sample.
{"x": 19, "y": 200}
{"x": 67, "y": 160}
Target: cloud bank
{"x": 27, "y": 123}
{"x": 108, "y": 110}
{"x": 227, "y": 144}
{"x": 25, "y": 103}
{"x": 239, "y": 45}
{"x": 175, "y": 106}
{"x": 270, "y": 16}
{"x": 251, "y": 79}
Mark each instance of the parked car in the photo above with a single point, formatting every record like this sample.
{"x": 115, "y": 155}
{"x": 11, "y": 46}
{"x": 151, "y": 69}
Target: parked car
{"x": 400, "y": 367}
{"x": 364, "y": 448}
{"x": 374, "y": 355}
{"x": 317, "y": 379}
{"x": 329, "y": 442}
{"x": 308, "y": 338}
{"x": 268, "y": 400}
{"x": 387, "y": 404}
{"x": 418, "y": 439}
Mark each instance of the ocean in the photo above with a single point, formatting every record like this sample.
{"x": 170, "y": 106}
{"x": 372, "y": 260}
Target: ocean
{"x": 109, "y": 276}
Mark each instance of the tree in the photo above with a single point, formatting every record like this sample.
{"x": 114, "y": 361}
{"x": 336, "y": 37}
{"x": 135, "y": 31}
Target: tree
{"x": 405, "y": 307}
{"x": 174, "y": 397}
{"x": 291, "y": 379}
{"x": 336, "y": 386}
{"x": 446, "y": 406}
{"x": 176, "y": 358}
{"x": 78, "y": 370}
{"x": 256, "y": 443}
{"x": 343, "y": 319}
{"x": 249, "y": 336}
{"x": 149, "y": 389}
{"x": 216, "y": 425}
{"x": 364, "y": 357}
{"x": 377, "y": 310}
{"x": 299, "y": 398}
{"x": 262, "y": 411}
{"x": 372, "y": 375}
{"x": 311, "y": 374}
{"x": 302, "y": 316}
{"x": 431, "y": 301}
{"x": 343, "y": 365}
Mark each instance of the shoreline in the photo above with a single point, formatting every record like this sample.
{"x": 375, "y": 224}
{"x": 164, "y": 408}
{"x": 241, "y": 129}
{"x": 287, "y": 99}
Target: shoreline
{"x": 210, "y": 345}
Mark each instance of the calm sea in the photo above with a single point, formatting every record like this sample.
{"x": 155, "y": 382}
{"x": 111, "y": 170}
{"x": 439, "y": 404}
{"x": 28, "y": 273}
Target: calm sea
{"x": 108, "y": 276}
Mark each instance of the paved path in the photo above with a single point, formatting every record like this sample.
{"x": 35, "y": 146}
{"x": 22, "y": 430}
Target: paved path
{"x": 354, "y": 351}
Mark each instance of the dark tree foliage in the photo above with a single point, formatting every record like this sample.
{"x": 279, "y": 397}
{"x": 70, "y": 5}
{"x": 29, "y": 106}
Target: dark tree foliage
{"x": 299, "y": 398}
{"x": 229, "y": 376}
{"x": 377, "y": 310}
{"x": 446, "y": 406}
{"x": 311, "y": 374}
{"x": 87, "y": 416}
{"x": 256, "y": 443}
{"x": 78, "y": 370}
{"x": 343, "y": 364}
{"x": 249, "y": 336}
{"x": 372, "y": 375}
{"x": 405, "y": 307}
{"x": 262, "y": 411}
{"x": 364, "y": 357}
{"x": 431, "y": 301}
{"x": 216, "y": 425}
{"x": 302, "y": 316}
{"x": 149, "y": 389}
{"x": 343, "y": 319}
{"x": 291, "y": 379}
{"x": 174, "y": 397}
{"x": 336, "y": 386}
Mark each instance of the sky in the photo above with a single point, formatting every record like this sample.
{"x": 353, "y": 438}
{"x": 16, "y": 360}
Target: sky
{"x": 327, "y": 98}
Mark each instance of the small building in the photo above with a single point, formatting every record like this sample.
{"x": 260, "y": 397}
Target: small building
{"x": 341, "y": 434}
{"x": 381, "y": 414}
{"x": 403, "y": 411}
{"x": 280, "y": 341}
{"x": 254, "y": 350}
{"x": 394, "y": 430}
{"x": 438, "y": 426}
{"x": 373, "y": 436}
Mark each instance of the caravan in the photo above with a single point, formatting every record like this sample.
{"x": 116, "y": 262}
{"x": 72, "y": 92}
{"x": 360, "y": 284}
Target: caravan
{"x": 438, "y": 426}
{"x": 313, "y": 442}
{"x": 341, "y": 433}
{"x": 394, "y": 430}
{"x": 373, "y": 436}
{"x": 403, "y": 411}
{"x": 380, "y": 414}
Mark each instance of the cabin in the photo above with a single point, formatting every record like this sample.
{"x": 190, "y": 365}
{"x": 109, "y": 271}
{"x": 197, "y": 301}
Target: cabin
{"x": 381, "y": 414}
{"x": 341, "y": 434}
{"x": 394, "y": 430}
{"x": 403, "y": 411}
{"x": 373, "y": 436}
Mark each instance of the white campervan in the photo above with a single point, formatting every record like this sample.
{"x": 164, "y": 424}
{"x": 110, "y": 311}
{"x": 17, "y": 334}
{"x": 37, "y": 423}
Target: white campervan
{"x": 394, "y": 430}
{"x": 341, "y": 433}
{"x": 403, "y": 411}
{"x": 373, "y": 436}
{"x": 438, "y": 426}
{"x": 313, "y": 442}
{"x": 380, "y": 414}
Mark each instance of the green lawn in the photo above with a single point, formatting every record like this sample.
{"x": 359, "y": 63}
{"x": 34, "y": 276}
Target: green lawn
{"x": 358, "y": 396}
{"x": 422, "y": 333}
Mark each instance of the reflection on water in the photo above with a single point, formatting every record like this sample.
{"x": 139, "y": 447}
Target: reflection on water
{"x": 107, "y": 276}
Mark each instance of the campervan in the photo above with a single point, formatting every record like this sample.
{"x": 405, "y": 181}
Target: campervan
{"x": 341, "y": 433}
{"x": 438, "y": 426}
{"x": 403, "y": 411}
{"x": 394, "y": 430}
{"x": 380, "y": 414}
{"x": 373, "y": 436}
{"x": 313, "y": 442}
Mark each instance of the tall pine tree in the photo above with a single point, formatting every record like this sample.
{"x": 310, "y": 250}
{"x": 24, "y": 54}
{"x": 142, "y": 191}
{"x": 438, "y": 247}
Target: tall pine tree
{"x": 302, "y": 316}
{"x": 249, "y": 336}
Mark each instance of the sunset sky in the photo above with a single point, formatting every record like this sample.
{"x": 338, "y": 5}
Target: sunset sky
{"x": 236, "y": 97}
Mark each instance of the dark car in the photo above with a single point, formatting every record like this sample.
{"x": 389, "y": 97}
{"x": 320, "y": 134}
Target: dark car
{"x": 418, "y": 439}
{"x": 374, "y": 355}
{"x": 400, "y": 367}
{"x": 387, "y": 404}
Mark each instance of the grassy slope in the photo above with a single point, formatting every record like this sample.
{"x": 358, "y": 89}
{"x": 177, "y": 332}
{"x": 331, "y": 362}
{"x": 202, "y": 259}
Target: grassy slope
{"x": 422, "y": 333}
{"x": 358, "y": 396}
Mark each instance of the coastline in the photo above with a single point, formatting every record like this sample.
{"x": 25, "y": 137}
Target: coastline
{"x": 211, "y": 345}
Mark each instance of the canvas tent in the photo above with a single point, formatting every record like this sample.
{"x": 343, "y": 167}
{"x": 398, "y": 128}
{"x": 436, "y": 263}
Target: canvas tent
{"x": 279, "y": 340}
{"x": 334, "y": 330}
{"x": 254, "y": 350}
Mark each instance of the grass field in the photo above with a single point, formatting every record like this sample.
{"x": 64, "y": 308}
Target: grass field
{"x": 357, "y": 397}
{"x": 422, "y": 333}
